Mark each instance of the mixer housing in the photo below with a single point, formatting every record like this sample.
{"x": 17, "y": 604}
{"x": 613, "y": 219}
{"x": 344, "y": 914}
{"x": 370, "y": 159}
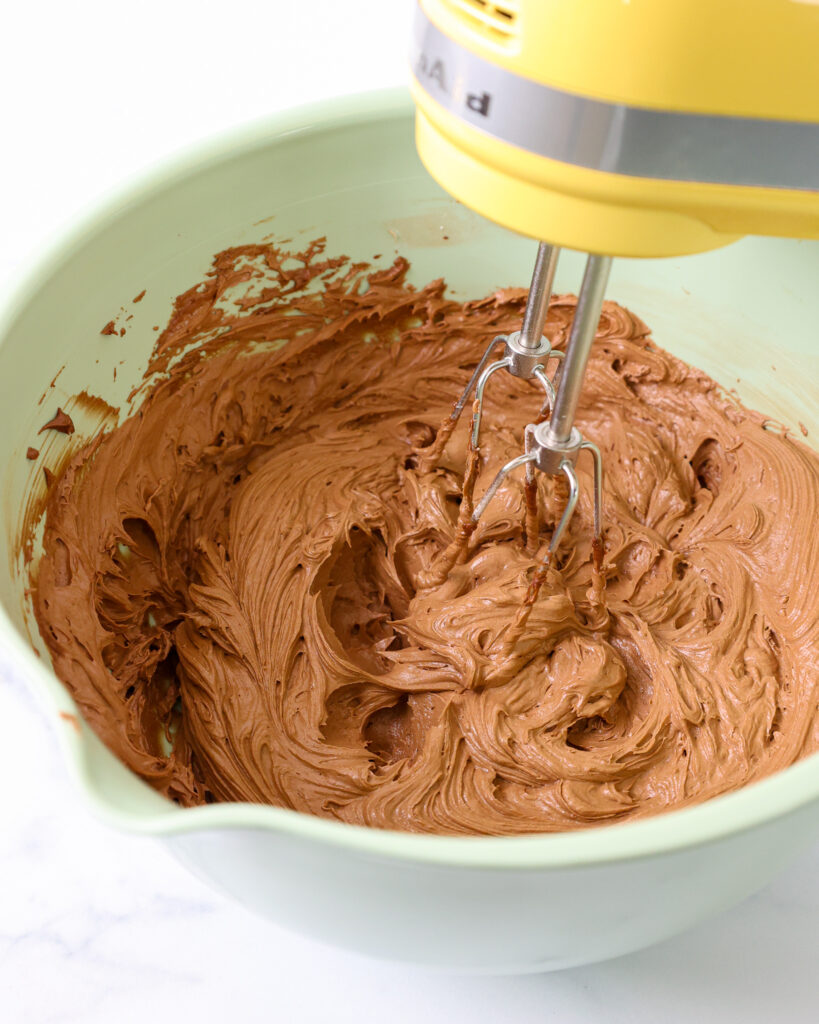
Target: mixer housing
{"x": 625, "y": 129}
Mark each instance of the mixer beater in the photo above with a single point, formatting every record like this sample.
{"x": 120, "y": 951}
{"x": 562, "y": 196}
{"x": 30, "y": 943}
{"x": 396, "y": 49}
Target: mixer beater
{"x": 553, "y": 443}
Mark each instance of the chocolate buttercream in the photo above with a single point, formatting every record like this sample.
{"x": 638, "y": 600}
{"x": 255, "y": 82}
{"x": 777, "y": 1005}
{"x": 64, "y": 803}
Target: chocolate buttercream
{"x": 240, "y": 584}
{"x": 60, "y": 421}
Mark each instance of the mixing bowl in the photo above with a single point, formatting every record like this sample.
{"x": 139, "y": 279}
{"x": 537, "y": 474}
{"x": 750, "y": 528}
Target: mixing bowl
{"x": 348, "y": 170}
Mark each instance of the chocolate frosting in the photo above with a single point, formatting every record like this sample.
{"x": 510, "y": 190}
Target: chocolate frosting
{"x": 241, "y": 583}
{"x": 60, "y": 421}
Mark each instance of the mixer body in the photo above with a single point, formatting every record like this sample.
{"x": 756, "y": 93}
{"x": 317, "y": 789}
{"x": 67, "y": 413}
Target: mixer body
{"x": 624, "y": 128}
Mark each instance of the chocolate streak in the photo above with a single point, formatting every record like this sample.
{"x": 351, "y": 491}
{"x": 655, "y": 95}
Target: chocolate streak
{"x": 241, "y": 583}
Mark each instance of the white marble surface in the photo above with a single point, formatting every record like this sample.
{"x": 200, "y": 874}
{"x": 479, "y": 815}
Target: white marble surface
{"x": 96, "y": 926}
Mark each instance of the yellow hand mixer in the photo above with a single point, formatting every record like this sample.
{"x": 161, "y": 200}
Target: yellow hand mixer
{"x": 620, "y": 128}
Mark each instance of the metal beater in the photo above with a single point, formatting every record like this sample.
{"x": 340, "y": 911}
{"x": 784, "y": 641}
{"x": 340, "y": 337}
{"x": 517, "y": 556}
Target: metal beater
{"x": 552, "y": 444}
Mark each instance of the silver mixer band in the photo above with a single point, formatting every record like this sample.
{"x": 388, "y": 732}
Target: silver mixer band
{"x": 612, "y": 137}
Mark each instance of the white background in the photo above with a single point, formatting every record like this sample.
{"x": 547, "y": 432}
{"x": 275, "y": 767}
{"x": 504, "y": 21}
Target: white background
{"x": 101, "y": 927}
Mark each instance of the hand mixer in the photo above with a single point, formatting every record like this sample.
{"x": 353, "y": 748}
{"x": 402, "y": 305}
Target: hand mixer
{"x": 620, "y": 128}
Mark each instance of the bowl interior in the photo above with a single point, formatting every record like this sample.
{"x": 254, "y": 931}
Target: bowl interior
{"x": 745, "y": 314}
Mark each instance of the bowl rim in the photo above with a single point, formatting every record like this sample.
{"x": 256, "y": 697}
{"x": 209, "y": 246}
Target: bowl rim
{"x": 762, "y": 802}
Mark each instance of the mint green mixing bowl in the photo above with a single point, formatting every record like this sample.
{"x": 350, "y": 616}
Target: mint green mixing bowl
{"x": 348, "y": 169}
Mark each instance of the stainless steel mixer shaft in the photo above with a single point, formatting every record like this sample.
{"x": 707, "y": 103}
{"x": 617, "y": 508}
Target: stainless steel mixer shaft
{"x": 540, "y": 292}
{"x": 584, "y": 326}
